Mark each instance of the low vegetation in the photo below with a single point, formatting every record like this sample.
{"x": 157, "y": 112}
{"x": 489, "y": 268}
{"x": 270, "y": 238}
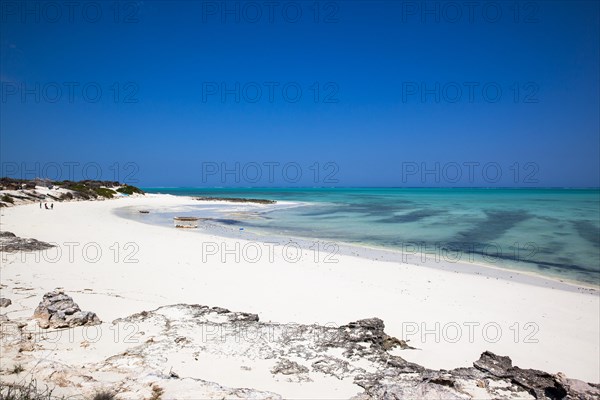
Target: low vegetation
{"x": 157, "y": 393}
{"x": 127, "y": 189}
{"x": 105, "y": 192}
{"x": 80, "y": 190}
{"x": 30, "y": 391}
{"x": 104, "y": 395}
{"x": 16, "y": 184}
{"x": 7, "y": 199}
{"x": 17, "y": 369}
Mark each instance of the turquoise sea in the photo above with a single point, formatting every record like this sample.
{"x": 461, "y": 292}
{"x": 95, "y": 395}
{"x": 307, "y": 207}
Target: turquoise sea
{"x": 553, "y": 232}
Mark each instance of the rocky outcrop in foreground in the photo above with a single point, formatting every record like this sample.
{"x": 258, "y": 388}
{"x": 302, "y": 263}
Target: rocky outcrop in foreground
{"x": 184, "y": 351}
{"x": 58, "y": 310}
{"x": 10, "y": 243}
{"x": 357, "y": 351}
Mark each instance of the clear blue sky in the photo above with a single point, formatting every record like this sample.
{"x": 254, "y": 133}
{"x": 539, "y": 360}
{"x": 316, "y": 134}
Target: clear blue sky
{"x": 379, "y": 67}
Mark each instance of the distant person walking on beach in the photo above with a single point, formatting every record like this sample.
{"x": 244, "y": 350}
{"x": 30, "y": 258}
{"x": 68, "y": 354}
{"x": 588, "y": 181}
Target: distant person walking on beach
{"x": 46, "y": 205}
{"x": 52, "y": 206}
{"x": 40, "y": 204}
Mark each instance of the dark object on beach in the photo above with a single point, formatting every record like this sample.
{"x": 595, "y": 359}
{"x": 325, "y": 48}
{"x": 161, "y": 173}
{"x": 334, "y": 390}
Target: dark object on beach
{"x": 144, "y": 211}
{"x": 236, "y": 200}
{"x": 4, "y": 302}
{"x": 57, "y": 310}
{"x": 186, "y": 222}
{"x": 11, "y": 243}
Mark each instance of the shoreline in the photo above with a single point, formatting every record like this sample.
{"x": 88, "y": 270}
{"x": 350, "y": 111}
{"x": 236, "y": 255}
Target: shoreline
{"x": 380, "y": 253}
{"x": 170, "y": 269}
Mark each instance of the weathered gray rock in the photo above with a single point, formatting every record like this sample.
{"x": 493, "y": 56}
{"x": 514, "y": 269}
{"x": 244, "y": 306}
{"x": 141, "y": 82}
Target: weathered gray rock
{"x": 4, "y": 302}
{"x": 58, "y": 310}
{"x": 11, "y": 243}
{"x": 357, "y": 351}
{"x": 492, "y": 373}
{"x": 577, "y": 389}
{"x": 354, "y": 356}
{"x": 287, "y": 367}
{"x": 540, "y": 384}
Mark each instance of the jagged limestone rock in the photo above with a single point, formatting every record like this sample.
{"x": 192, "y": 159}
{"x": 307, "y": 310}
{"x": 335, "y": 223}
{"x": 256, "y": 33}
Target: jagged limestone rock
{"x": 189, "y": 338}
{"x": 11, "y": 243}
{"x": 58, "y": 310}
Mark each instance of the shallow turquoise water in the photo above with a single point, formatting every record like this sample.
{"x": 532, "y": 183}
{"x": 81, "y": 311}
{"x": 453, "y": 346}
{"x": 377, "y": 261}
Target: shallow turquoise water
{"x": 554, "y": 232}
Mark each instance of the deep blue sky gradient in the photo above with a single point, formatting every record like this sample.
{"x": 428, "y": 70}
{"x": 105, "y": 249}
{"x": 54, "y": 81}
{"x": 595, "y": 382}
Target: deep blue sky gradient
{"x": 371, "y": 53}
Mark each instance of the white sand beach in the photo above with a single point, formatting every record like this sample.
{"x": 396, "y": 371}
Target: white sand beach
{"x": 450, "y": 317}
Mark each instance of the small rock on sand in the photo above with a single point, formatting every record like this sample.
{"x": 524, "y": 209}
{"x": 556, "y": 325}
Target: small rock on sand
{"x": 58, "y": 310}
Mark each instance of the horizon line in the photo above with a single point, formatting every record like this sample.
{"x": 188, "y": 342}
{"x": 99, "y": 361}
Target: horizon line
{"x": 369, "y": 187}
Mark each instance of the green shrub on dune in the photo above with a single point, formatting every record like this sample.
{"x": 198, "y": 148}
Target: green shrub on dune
{"x": 7, "y": 199}
{"x": 84, "y": 190}
{"x": 78, "y": 187}
{"x": 105, "y": 192}
{"x": 127, "y": 189}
